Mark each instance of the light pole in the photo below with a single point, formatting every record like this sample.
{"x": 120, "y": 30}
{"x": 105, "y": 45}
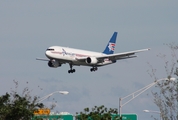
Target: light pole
{"x": 47, "y": 96}
{"x": 137, "y": 93}
{"x": 151, "y": 111}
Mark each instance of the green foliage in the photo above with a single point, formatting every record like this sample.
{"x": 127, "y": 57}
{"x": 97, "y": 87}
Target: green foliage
{"x": 97, "y": 113}
{"x": 16, "y": 107}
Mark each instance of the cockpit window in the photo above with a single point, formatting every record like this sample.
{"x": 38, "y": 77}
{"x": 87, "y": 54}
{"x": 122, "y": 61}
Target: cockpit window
{"x": 50, "y": 49}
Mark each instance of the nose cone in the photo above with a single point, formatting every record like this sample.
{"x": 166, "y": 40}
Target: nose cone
{"x": 47, "y": 53}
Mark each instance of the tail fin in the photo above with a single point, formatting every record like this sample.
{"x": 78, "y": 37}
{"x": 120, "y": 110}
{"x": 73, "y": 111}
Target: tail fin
{"x": 111, "y": 45}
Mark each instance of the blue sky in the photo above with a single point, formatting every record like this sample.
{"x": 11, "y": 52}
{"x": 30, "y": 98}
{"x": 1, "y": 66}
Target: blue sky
{"x": 27, "y": 28}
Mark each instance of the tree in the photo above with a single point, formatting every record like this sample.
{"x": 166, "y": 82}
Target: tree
{"x": 166, "y": 98}
{"x": 97, "y": 113}
{"x": 16, "y": 107}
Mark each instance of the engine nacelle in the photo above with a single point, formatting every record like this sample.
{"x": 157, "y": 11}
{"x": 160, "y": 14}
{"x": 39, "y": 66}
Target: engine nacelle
{"x": 91, "y": 60}
{"x": 54, "y": 63}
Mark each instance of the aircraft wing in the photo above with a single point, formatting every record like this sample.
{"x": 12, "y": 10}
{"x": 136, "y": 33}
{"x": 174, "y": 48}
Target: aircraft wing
{"x": 116, "y": 56}
{"x": 124, "y": 55}
{"x": 60, "y": 60}
{"x": 42, "y": 59}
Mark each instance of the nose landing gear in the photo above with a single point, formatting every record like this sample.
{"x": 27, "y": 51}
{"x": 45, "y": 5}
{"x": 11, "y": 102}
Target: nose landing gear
{"x": 71, "y": 70}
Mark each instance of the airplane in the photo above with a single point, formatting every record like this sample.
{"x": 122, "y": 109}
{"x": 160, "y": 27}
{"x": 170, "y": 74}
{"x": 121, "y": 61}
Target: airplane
{"x": 58, "y": 55}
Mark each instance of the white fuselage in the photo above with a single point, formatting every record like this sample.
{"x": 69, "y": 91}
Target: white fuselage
{"x": 63, "y": 54}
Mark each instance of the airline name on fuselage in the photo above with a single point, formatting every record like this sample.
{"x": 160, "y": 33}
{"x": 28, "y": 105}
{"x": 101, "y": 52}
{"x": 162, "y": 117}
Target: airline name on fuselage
{"x": 64, "y": 52}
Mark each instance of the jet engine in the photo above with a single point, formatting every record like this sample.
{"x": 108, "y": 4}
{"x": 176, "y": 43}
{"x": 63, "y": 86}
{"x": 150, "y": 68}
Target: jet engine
{"x": 91, "y": 60}
{"x": 54, "y": 63}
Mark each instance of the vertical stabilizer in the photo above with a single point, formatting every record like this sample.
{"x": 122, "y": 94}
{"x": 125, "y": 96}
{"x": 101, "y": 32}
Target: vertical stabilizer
{"x": 111, "y": 45}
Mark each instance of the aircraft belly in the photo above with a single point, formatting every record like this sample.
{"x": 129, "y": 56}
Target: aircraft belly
{"x": 78, "y": 63}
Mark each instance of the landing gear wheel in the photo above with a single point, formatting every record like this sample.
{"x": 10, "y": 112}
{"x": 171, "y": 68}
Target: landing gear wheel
{"x": 71, "y": 71}
{"x": 93, "y": 69}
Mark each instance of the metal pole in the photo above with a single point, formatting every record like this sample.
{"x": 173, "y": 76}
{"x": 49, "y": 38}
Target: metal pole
{"x": 120, "y": 106}
{"x": 140, "y": 91}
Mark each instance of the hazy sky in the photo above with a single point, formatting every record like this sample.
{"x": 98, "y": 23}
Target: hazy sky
{"x": 28, "y": 28}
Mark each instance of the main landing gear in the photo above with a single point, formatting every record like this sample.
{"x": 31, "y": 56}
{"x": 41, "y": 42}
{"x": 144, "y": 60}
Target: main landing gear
{"x": 93, "y": 69}
{"x": 71, "y": 70}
